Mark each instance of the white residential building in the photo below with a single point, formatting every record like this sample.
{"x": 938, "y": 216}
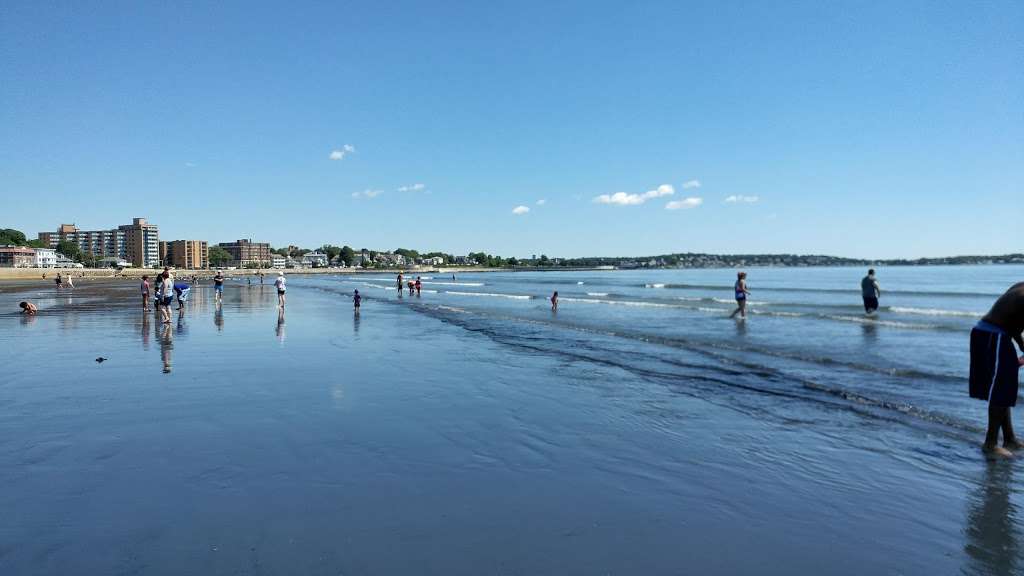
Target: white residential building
{"x": 314, "y": 259}
{"x": 277, "y": 261}
{"x": 46, "y": 257}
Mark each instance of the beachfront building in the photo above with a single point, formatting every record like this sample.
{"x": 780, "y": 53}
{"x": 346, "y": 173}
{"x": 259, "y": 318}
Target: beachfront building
{"x": 314, "y": 259}
{"x": 138, "y": 242}
{"x": 248, "y": 254}
{"x": 185, "y": 254}
{"x": 113, "y": 262}
{"x": 277, "y": 261}
{"x": 17, "y": 257}
{"x": 45, "y": 257}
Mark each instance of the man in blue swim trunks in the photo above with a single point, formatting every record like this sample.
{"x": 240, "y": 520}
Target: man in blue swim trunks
{"x": 218, "y": 286}
{"x": 995, "y": 365}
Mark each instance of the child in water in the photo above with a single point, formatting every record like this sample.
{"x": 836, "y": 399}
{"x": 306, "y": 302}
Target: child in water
{"x": 357, "y": 300}
{"x": 28, "y": 308}
{"x": 554, "y": 301}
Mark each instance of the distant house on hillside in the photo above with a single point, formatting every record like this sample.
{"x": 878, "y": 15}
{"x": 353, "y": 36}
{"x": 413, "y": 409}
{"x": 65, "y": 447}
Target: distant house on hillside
{"x": 314, "y": 259}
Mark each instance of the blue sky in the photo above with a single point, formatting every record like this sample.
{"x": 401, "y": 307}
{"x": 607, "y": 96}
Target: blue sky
{"x": 856, "y": 129}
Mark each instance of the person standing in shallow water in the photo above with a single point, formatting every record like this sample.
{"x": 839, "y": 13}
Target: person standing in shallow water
{"x": 279, "y": 284}
{"x": 995, "y": 366}
{"x": 554, "y": 301}
{"x": 400, "y": 284}
{"x": 870, "y": 291}
{"x": 740, "y": 288}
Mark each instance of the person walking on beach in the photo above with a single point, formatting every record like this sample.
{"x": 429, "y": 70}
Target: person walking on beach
{"x": 995, "y": 365}
{"x": 165, "y": 295}
{"x": 218, "y": 287}
{"x": 69, "y": 283}
{"x": 145, "y": 292}
{"x": 870, "y": 291}
{"x": 279, "y": 283}
{"x": 28, "y": 308}
{"x": 400, "y": 284}
{"x": 740, "y": 288}
{"x": 419, "y": 285}
{"x": 357, "y": 301}
{"x": 554, "y": 301}
{"x": 59, "y": 280}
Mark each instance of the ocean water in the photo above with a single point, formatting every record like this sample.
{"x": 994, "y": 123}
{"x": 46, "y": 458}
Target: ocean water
{"x": 469, "y": 430}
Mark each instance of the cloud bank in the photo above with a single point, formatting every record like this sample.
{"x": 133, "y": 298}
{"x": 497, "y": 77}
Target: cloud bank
{"x": 737, "y": 199}
{"x": 520, "y": 210}
{"x": 684, "y": 204}
{"x": 342, "y": 152}
{"x": 367, "y": 194}
{"x": 626, "y": 199}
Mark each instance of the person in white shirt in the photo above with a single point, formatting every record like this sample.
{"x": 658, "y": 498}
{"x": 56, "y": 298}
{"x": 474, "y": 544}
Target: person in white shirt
{"x": 279, "y": 283}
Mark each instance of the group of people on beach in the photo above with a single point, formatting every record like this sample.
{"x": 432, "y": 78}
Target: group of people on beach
{"x": 994, "y": 362}
{"x": 414, "y": 286}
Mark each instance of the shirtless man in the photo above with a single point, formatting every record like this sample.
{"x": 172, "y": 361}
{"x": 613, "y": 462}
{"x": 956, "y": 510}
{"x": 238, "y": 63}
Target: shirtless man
{"x": 994, "y": 367}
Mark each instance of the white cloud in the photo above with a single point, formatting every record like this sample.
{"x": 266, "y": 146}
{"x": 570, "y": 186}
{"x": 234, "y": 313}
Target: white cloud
{"x": 691, "y": 184}
{"x": 342, "y": 152}
{"x": 684, "y": 204}
{"x": 541, "y": 202}
{"x": 418, "y": 187}
{"x": 367, "y": 194}
{"x": 625, "y": 199}
{"x": 735, "y": 199}
{"x": 520, "y": 210}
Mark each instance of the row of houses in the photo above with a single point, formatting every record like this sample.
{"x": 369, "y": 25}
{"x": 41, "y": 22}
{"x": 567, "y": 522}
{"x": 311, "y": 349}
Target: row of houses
{"x": 26, "y": 257}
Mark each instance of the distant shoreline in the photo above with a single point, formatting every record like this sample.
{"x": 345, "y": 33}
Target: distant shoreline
{"x": 98, "y": 273}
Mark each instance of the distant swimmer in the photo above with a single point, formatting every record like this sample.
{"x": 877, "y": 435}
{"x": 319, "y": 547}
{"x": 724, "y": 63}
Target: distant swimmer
{"x": 870, "y": 291}
{"x": 740, "y": 288}
{"x": 145, "y": 292}
{"x": 279, "y": 284}
{"x": 28, "y": 308}
{"x": 401, "y": 284}
{"x": 554, "y": 301}
{"x": 357, "y": 301}
{"x": 995, "y": 366}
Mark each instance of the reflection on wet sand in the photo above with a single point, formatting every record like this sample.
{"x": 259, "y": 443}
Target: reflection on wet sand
{"x": 145, "y": 331}
{"x": 218, "y": 317}
{"x": 992, "y": 531}
{"x": 280, "y": 325}
{"x": 166, "y": 346}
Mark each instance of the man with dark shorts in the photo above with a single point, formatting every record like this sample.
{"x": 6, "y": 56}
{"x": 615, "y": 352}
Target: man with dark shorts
{"x": 870, "y": 291}
{"x": 994, "y": 367}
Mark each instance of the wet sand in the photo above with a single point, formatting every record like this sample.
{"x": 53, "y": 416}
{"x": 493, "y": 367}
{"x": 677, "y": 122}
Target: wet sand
{"x": 242, "y": 441}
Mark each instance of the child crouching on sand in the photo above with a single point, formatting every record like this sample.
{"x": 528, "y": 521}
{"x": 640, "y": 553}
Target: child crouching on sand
{"x": 28, "y": 308}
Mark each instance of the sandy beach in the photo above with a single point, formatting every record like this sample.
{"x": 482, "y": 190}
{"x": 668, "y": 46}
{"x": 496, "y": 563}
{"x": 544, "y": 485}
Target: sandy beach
{"x": 474, "y": 431}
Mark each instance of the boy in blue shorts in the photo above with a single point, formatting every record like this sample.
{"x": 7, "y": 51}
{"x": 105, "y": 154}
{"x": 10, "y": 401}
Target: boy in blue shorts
{"x": 995, "y": 365}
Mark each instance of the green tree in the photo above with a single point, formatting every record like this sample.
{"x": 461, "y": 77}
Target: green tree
{"x": 544, "y": 260}
{"x": 513, "y": 261}
{"x": 69, "y": 249}
{"x": 348, "y": 255}
{"x": 331, "y": 251}
{"x": 12, "y": 236}
{"x": 36, "y": 243}
{"x": 219, "y": 256}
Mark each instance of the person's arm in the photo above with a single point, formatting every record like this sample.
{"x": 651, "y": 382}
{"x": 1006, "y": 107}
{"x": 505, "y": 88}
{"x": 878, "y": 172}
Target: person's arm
{"x": 878, "y": 289}
{"x": 1020, "y": 342}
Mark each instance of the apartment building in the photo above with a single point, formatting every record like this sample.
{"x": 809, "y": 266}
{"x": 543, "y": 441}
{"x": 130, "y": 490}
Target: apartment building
{"x": 185, "y": 254}
{"x": 248, "y": 254}
{"x": 138, "y": 242}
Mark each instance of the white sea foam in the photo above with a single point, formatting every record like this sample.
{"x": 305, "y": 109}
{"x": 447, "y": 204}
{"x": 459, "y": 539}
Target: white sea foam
{"x": 935, "y": 312}
{"x": 597, "y": 293}
{"x": 490, "y": 294}
{"x": 579, "y": 283}
{"x": 654, "y": 285}
{"x": 455, "y": 283}
{"x": 619, "y": 302}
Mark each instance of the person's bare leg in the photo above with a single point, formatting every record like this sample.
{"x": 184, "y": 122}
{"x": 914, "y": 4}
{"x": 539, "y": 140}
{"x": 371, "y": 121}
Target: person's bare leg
{"x": 996, "y": 416}
{"x": 1010, "y": 441}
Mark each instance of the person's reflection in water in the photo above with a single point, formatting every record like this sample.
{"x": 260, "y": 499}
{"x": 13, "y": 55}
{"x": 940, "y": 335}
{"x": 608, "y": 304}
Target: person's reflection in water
{"x": 181, "y": 323}
{"x": 280, "y": 325}
{"x": 27, "y": 319}
{"x": 166, "y": 346}
{"x": 992, "y": 519}
{"x": 145, "y": 331}
{"x": 355, "y": 322}
{"x": 741, "y": 327}
{"x": 218, "y": 317}
{"x": 870, "y": 331}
